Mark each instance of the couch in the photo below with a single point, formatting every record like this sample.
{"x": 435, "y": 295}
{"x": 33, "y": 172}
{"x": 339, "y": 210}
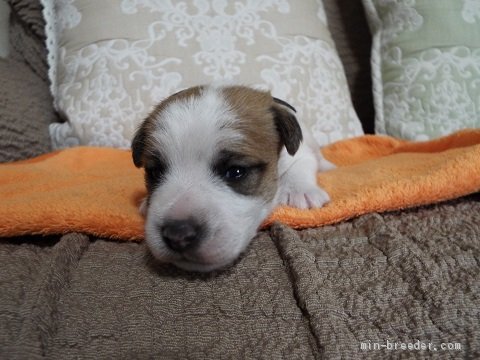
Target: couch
{"x": 403, "y": 284}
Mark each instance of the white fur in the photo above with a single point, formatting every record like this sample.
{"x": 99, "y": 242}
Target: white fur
{"x": 191, "y": 134}
{"x": 298, "y": 175}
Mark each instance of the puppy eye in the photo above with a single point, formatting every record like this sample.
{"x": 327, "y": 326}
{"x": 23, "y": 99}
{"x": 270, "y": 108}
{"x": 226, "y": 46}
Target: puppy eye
{"x": 235, "y": 173}
{"x": 155, "y": 173}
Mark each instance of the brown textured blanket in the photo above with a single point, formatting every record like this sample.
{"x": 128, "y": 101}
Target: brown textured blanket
{"x": 320, "y": 293}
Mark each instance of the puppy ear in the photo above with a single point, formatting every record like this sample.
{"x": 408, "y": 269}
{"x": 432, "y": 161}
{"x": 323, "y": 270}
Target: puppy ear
{"x": 138, "y": 145}
{"x": 287, "y": 125}
{"x": 284, "y": 103}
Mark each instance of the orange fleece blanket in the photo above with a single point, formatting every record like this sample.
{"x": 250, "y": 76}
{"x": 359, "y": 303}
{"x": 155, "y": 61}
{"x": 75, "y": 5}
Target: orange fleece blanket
{"x": 98, "y": 190}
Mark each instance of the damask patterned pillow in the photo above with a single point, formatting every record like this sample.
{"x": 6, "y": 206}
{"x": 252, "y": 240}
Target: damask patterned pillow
{"x": 111, "y": 61}
{"x": 425, "y": 65}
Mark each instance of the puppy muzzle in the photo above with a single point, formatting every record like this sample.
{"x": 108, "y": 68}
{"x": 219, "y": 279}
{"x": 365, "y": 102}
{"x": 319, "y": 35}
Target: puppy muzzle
{"x": 182, "y": 235}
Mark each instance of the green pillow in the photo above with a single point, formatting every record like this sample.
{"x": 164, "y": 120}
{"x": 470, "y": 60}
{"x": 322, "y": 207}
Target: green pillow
{"x": 425, "y": 65}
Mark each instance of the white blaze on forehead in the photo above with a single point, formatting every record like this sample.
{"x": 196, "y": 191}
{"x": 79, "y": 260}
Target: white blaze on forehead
{"x": 194, "y": 126}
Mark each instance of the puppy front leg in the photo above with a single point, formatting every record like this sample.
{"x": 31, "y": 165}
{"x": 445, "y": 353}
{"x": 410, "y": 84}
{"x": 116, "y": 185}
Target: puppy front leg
{"x": 298, "y": 178}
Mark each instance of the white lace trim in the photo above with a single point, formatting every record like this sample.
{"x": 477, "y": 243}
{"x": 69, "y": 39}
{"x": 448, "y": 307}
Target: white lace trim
{"x": 51, "y": 43}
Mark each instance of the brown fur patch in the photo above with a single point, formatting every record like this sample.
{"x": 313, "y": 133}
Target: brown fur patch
{"x": 262, "y": 140}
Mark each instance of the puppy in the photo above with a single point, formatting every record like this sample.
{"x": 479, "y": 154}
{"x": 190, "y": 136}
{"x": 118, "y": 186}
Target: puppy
{"x": 217, "y": 160}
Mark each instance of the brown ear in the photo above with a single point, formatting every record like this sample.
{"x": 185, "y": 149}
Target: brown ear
{"x": 138, "y": 145}
{"x": 287, "y": 126}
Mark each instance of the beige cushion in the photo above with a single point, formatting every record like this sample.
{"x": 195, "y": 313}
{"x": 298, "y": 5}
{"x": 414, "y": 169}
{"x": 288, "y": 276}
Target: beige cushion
{"x": 111, "y": 62}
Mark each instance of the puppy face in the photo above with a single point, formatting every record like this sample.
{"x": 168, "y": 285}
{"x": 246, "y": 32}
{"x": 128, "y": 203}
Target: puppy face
{"x": 210, "y": 156}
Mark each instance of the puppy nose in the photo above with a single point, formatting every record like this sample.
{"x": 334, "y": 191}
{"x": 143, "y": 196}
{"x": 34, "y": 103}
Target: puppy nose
{"x": 180, "y": 235}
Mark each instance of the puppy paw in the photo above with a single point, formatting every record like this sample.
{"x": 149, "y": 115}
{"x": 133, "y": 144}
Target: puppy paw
{"x": 306, "y": 197}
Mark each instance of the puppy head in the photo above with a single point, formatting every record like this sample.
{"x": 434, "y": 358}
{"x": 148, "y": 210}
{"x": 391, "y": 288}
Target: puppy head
{"x": 210, "y": 156}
